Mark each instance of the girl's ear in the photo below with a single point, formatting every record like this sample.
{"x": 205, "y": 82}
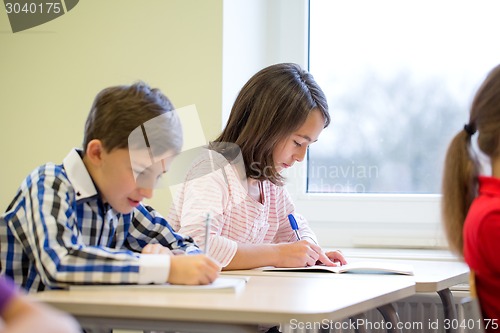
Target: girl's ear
{"x": 94, "y": 151}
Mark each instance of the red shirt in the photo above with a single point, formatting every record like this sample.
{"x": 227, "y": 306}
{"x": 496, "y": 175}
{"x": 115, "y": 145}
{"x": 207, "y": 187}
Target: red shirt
{"x": 482, "y": 246}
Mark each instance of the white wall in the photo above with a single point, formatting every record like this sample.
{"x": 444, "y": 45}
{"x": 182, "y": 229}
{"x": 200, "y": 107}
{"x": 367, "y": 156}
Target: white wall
{"x": 256, "y": 34}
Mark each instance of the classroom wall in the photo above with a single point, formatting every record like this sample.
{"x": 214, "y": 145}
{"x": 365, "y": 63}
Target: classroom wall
{"x": 256, "y": 34}
{"x": 50, "y": 74}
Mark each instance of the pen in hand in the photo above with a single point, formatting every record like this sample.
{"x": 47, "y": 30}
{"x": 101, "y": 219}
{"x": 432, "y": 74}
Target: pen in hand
{"x": 207, "y": 233}
{"x": 294, "y": 225}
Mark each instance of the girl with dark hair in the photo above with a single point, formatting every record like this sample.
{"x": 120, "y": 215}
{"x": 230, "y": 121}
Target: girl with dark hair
{"x": 278, "y": 113}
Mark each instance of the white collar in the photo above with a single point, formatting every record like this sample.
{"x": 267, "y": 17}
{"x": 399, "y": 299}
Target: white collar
{"x": 79, "y": 176}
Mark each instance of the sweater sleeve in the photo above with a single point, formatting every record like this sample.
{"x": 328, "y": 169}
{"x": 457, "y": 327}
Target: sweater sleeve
{"x": 205, "y": 194}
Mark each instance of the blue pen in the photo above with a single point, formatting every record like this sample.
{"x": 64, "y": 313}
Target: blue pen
{"x": 294, "y": 225}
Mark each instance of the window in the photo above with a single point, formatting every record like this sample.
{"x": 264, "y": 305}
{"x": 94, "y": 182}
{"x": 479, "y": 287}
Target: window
{"x": 399, "y": 77}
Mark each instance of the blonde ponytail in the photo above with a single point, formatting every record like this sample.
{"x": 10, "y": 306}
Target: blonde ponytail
{"x": 459, "y": 188}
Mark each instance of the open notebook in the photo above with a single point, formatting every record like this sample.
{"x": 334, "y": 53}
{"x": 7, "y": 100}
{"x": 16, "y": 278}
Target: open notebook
{"x": 220, "y": 285}
{"x": 369, "y": 267}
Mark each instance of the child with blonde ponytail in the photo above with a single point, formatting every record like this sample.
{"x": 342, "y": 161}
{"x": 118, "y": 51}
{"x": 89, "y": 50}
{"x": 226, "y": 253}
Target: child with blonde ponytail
{"x": 471, "y": 200}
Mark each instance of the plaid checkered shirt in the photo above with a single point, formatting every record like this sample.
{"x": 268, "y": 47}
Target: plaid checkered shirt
{"x": 57, "y": 231}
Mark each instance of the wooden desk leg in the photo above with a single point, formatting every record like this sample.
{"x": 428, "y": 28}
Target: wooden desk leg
{"x": 354, "y": 320}
{"x": 390, "y": 316}
{"x": 450, "y": 312}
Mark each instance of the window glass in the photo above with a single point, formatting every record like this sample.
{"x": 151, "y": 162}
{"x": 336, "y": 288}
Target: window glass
{"x": 399, "y": 77}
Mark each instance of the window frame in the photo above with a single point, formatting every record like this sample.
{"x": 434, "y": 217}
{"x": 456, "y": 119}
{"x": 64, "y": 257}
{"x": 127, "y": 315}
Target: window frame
{"x": 368, "y": 219}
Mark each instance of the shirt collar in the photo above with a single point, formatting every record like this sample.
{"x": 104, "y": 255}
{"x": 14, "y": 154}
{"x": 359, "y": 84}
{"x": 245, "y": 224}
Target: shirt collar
{"x": 79, "y": 176}
{"x": 489, "y": 185}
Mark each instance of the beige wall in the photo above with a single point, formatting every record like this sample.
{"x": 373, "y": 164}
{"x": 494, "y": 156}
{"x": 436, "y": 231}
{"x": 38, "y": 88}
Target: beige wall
{"x": 50, "y": 74}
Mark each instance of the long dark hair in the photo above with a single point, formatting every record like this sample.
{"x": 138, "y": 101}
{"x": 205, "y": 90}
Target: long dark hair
{"x": 271, "y": 105}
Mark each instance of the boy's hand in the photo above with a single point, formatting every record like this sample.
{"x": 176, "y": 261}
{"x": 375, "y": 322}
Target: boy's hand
{"x": 156, "y": 249}
{"x": 193, "y": 270}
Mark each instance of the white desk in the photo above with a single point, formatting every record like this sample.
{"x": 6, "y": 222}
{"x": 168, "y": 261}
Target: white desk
{"x": 264, "y": 300}
{"x": 430, "y": 276}
{"x": 436, "y": 276}
{"x": 434, "y": 270}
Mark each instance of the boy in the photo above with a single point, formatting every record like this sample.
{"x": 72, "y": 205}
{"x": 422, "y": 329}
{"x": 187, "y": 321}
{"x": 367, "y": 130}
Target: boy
{"x": 83, "y": 222}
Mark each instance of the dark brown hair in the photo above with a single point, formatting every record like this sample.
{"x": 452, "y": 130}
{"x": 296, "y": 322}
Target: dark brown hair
{"x": 274, "y": 103}
{"x": 461, "y": 169}
{"x": 118, "y": 110}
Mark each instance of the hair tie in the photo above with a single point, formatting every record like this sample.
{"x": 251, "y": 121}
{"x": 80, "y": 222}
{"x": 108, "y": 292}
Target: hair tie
{"x": 470, "y": 129}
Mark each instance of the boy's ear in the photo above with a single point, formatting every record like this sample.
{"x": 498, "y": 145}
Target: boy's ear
{"x": 94, "y": 151}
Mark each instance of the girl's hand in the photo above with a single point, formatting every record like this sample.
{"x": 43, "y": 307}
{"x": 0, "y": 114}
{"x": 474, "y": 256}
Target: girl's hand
{"x": 331, "y": 258}
{"x": 304, "y": 253}
{"x": 336, "y": 257}
{"x": 299, "y": 254}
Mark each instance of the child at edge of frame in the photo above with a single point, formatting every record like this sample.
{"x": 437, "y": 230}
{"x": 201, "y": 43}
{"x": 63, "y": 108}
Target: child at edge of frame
{"x": 83, "y": 221}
